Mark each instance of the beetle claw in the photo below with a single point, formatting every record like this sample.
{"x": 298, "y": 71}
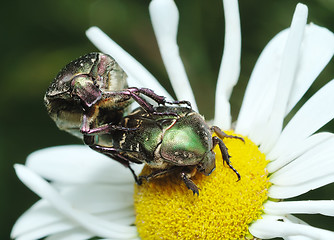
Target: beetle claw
{"x": 190, "y": 184}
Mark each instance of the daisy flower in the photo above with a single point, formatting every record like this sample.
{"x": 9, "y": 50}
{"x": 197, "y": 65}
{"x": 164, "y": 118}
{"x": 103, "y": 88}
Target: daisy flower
{"x": 85, "y": 194}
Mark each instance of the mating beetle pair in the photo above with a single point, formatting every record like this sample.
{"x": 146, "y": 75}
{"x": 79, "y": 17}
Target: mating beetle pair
{"x": 89, "y": 97}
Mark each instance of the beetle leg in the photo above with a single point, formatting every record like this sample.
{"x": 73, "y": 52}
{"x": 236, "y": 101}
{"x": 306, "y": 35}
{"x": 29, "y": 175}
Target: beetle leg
{"x": 84, "y": 88}
{"x": 180, "y": 102}
{"x": 157, "y": 98}
{"x": 223, "y": 135}
{"x": 104, "y": 129}
{"x": 134, "y": 175}
{"x": 112, "y": 153}
{"x": 186, "y": 175}
{"x": 146, "y": 105}
{"x": 108, "y": 151}
{"x": 134, "y": 93}
{"x": 87, "y": 129}
{"x": 149, "y": 93}
{"x": 224, "y": 151}
{"x": 142, "y": 102}
{"x": 87, "y": 118}
{"x": 156, "y": 173}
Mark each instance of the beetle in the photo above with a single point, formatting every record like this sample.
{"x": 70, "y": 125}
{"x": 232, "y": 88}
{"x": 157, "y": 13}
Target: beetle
{"x": 88, "y": 99}
{"x": 91, "y": 94}
{"x": 180, "y": 143}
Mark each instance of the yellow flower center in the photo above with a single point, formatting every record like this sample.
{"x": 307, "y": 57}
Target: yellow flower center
{"x": 167, "y": 209}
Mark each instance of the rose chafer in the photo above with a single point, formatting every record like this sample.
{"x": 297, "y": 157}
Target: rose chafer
{"x": 169, "y": 140}
{"x": 91, "y": 94}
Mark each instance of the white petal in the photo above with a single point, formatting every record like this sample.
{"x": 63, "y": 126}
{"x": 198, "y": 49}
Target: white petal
{"x": 94, "y": 224}
{"x": 99, "y": 198}
{"x": 130, "y": 65}
{"x": 302, "y": 147}
{"x": 290, "y": 219}
{"x": 165, "y": 19}
{"x": 259, "y": 95}
{"x": 78, "y": 164}
{"x": 315, "y": 163}
{"x": 73, "y": 234}
{"x": 297, "y": 237}
{"x": 40, "y": 217}
{"x": 35, "y": 227}
{"x": 267, "y": 92}
{"x": 269, "y": 228}
{"x": 293, "y": 219}
{"x": 315, "y": 113}
{"x": 316, "y": 51}
{"x": 324, "y": 207}
{"x": 287, "y": 74}
{"x": 230, "y": 65}
{"x": 43, "y": 231}
{"x": 282, "y": 192}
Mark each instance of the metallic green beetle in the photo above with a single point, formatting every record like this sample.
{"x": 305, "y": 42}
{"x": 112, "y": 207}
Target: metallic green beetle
{"x": 166, "y": 143}
{"x": 90, "y": 94}
{"x": 81, "y": 85}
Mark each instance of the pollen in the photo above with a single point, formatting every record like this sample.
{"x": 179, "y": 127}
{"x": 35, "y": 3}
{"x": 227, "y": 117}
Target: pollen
{"x": 167, "y": 209}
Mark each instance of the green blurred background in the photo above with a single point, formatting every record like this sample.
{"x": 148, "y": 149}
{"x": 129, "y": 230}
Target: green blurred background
{"x": 40, "y": 37}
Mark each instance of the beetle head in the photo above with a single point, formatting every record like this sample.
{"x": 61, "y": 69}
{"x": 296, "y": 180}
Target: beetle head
{"x": 208, "y": 163}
